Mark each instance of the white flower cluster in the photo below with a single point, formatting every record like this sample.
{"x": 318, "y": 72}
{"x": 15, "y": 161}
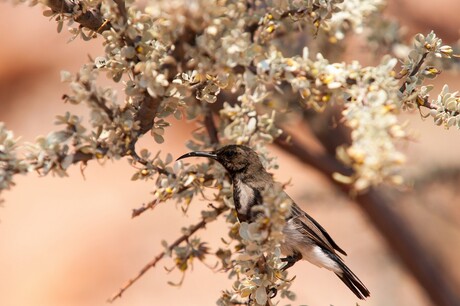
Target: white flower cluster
{"x": 371, "y": 115}
{"x": 243, "y": 125}
{"x": 447, "y": 111}
{"x": 115, "y": 126}
{"x": 420, "y": 65}
{"x": 10, "y": 163}
{"x": 352, "y": 15}
{"x": 260, "y": 262}
{"x": 417, "y": 67}
{"x": 370, "y": 99}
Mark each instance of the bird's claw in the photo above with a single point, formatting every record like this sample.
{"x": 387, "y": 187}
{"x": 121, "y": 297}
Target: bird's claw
{"x": 290, "y": 261}
{"x": 272, "y": 292}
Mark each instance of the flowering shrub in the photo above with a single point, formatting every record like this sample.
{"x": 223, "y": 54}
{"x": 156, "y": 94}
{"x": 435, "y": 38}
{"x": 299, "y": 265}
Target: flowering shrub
{"x": 222, "y": 64}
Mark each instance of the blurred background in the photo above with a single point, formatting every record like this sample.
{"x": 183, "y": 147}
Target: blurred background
{"x": 71, "y": 241}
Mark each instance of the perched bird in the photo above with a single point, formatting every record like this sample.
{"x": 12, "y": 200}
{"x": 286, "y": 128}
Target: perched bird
{"x": 304, "y": 238}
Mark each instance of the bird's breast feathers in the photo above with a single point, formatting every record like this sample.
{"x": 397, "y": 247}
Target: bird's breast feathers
{"x": 244, "y": 197}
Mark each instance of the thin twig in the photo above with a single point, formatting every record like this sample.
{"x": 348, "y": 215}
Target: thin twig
{"x": 148, "y": 164}
{"x": 211, "y": 127}
{"x": 138, "y": 211}
{"x": 421, "y": 102}
{"x": 415, "y": 70}
{"x": 98, "y": 101}
{"x": 156, "y": 259}
{"x": 122, "y": 9}
{"x": 91, "y": 19}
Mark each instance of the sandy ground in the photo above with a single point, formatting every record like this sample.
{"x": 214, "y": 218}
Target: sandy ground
{"x": 72, "y": 242}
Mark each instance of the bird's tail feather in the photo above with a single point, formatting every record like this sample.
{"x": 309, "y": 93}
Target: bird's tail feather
{"x": 353, "y": 282}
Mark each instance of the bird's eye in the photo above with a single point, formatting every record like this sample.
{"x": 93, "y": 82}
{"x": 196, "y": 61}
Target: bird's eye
{"x": 229, "y": 154}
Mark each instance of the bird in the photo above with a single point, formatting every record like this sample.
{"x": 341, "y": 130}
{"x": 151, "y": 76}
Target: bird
{"x": 304, "y": 237}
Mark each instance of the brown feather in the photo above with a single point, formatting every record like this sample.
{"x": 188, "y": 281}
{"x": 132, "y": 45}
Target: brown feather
{"x": 317, "y": 231}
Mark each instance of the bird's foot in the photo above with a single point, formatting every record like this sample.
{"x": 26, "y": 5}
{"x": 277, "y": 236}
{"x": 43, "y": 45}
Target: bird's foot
{"x": 290, "y": 260}
{"x": 272, "y": 292}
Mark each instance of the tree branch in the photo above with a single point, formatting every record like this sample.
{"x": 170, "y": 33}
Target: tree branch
{"x": 91, "y": 19}
{"x": 122, "y": 9}
{"x": 156, "y": 259}
{"x": 138, "y": 211}
{"x": 415, "y": 70}
{"x": 211, "y": 127}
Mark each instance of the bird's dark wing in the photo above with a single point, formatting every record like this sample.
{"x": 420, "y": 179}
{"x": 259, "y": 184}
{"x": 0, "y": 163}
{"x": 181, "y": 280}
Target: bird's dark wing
{"x": 314, "y": 230}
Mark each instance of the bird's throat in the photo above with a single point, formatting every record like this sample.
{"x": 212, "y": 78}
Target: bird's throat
{"x": 245, "y": 198}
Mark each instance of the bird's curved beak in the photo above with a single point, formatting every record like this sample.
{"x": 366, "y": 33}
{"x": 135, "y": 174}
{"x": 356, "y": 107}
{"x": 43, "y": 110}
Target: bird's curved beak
{"x": 212, "y": 155}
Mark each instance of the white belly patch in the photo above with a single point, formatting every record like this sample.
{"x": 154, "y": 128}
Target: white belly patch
{"x": 246, "y": 196}
{"x": 295, "y": 241}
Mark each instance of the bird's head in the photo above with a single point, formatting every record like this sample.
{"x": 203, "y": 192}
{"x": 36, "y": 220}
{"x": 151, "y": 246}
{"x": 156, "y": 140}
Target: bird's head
{"x": 234, "y": 158}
